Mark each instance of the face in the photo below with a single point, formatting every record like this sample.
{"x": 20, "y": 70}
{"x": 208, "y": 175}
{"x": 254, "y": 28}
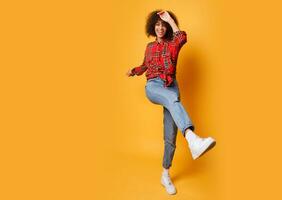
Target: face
{"x": 160, "y": 29}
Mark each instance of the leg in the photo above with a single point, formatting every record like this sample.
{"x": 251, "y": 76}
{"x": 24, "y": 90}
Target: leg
{"x": 170, "y": 133}
{"x": 169, "y": 98}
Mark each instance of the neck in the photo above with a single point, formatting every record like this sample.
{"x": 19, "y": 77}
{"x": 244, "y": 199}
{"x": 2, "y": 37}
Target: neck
{"x": 159, "y": 39}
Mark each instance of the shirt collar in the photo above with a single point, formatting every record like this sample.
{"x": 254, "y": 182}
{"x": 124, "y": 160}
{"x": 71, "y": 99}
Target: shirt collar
{"x": 162, "y": 42}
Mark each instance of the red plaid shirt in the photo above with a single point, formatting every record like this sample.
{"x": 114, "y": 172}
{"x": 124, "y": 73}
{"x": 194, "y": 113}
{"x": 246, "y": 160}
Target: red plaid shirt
{"x": 161, "y": 58}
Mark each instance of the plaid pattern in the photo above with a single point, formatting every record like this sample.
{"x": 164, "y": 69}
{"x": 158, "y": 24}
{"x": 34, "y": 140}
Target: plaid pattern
{"x": 161, "y": 58}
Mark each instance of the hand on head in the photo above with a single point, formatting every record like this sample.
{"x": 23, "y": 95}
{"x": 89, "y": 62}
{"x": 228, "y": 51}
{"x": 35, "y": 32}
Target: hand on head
{"x": 164, "y": 15}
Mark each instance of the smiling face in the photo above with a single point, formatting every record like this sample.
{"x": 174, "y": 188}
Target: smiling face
{"x": 160, "y": 28}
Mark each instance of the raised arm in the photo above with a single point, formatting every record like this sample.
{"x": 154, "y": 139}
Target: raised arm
{"x": 179, "y": 37}
{"x": 164, "y": 15}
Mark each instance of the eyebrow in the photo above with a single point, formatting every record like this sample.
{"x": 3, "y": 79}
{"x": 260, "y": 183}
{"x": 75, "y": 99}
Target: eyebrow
{"x": 158, "y": 22}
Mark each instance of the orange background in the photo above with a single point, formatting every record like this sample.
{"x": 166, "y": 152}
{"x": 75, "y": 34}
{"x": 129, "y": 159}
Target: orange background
{"x": 73, "y": 126}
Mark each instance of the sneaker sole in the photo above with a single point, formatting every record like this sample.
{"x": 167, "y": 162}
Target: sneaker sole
{"x": 205, "y": 148}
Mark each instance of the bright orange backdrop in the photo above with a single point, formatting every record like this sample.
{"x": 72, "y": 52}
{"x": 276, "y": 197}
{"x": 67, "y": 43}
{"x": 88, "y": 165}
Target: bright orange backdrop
{"x": 73, "y": 126}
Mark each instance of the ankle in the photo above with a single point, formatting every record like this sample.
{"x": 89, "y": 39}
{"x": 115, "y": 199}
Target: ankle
{"x": 165, "y": 171}
{"x": 187, "y": 131}
{"x": 190, "y": 134}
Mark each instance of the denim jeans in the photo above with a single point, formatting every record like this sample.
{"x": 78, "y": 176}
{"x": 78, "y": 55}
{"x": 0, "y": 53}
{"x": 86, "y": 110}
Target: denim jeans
{"x": 175, "y": 116}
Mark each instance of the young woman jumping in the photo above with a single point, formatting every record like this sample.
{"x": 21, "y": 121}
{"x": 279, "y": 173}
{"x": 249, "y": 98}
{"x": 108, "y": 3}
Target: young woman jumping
{"x": 162, "y": 88}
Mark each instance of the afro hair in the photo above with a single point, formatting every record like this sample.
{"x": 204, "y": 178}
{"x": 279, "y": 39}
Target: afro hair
{"x": 151, "y": 21}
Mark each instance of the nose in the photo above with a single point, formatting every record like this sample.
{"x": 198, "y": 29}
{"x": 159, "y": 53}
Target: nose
{"x": 161, "y": 26}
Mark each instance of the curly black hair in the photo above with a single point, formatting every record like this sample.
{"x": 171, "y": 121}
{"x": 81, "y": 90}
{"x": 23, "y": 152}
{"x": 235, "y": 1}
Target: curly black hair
{"x": 153, "y": 18}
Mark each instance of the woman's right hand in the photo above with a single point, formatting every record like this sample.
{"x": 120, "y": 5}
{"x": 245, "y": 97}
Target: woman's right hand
{"x": 164, "y": 15}
{"x": 129, "y": 73}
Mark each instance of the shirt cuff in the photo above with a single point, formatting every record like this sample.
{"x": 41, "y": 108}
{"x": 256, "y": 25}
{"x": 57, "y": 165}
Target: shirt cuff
{"x": 132, "y": 72}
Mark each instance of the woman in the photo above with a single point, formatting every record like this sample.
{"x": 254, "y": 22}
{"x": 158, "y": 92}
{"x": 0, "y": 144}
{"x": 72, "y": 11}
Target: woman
{"x": 162, "y": 88}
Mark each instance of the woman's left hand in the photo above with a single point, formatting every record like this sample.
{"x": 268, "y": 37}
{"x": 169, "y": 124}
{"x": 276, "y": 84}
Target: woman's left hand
{"x": 164, "y": 15}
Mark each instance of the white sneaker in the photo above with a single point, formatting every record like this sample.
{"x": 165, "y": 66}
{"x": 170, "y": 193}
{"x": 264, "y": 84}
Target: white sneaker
{"x": 167, "y": 183}
{"x": 198, "y": 146}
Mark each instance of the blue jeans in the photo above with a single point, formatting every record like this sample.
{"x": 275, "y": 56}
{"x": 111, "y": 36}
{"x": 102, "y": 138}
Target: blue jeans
{"x": 175, "y": 116}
